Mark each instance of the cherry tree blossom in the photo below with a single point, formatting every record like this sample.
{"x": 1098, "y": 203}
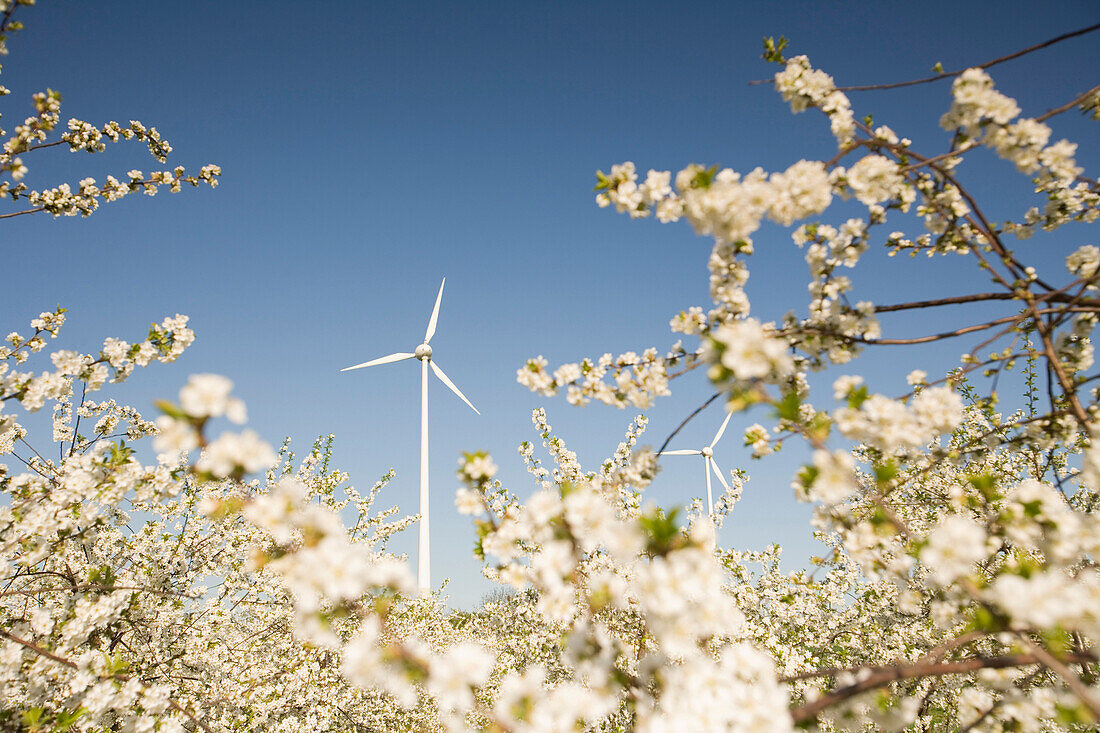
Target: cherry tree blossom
{"x": 204, "y": 580}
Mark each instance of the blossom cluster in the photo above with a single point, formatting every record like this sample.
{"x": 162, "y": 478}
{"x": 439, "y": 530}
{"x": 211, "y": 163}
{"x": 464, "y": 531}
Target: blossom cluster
{"x": 806, "y": 87}
{"x": 634, "y": 379}
{"x": 84, "y": 198}
{"x": 891, "y": 426}
{"x": 722, "y": 203}
{"x": 985, "y": 116}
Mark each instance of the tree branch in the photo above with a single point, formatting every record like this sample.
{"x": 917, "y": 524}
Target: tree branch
{"x": 1053, "y": 297}
{"x": 7, "y": 17}
{"x": 20, "y": 213}
{"x": 1068, "y": 105}
{"x": 1073, "y": 682}
{"x": 876, "y": 677}
{"x": 986, "y": 65}
{"x": 72, "y": 665}
{"x": 909, "y": 341}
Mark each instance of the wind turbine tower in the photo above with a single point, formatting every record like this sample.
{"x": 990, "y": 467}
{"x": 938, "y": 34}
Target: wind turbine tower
{"x": 423, "y": 352}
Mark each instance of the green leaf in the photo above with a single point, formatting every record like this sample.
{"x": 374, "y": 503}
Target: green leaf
{"x": 857, "y": 396}
{"x": 31, "y": 716}
{"x": 66, "y": 719}
{"x": 986, "y": 620}
{"x": 1033, "y": 509}
{"x": 741, "y": 400}
{"x": 704, "y": 177}
{"x": 885, "y": 472}
{"x": 882, "y": 523}
{"x": 1071, "y": 712}
{"x": 116, "y": 664}
{"x": 773, "y": 50}
{"x": 170, "y": 409}
{"x": 986, "y": 484}
{"x": 807, "y": 475}
{"x": 120, "y": 453}
{"x": 820, "y": 426}
{"x": 788, "y": 407}
{"x": 661, "y": 530}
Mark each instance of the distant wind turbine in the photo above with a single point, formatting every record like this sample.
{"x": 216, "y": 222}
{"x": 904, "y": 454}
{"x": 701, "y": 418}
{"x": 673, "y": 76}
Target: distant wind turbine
{"x": 708, "y": 461}
{"x": 423, "y": 352}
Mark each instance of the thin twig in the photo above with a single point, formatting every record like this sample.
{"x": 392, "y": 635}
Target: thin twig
{"x": 986, "y": 65}
{"x": 688, "y": 419}
{"x": 937, "y": 158}
{"x": 909, "y": 341}
{"x": 20, "y": 213}
{"x": 76, "y": 428}
{"x": 1068, "y": 105}
{"x": 44, "y": 145}
{"x": 1058, "y": 296}
{"x": 7, "y": 17}
{"x": 977, "y": 297}
{"x": 99, "y": 588}
{"x": 950, "y": 74}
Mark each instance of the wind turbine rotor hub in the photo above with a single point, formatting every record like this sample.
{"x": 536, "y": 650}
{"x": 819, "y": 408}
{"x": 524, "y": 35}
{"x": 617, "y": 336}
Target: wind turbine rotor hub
{"x": 707, "y": 452}
{"x": 423, "y": 352}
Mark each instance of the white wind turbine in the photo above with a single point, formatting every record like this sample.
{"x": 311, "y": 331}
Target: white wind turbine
{"x": 708, "y": 460}
{"x": 424, "y": 354}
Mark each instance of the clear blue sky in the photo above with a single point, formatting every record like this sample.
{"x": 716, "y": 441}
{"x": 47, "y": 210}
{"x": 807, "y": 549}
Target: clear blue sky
{"x": 369, "y": 149}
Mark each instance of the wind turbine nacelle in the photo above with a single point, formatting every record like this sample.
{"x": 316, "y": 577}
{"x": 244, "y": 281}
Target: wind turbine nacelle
{"x": 707, "y": 452}
{"x": 423, "y": 352}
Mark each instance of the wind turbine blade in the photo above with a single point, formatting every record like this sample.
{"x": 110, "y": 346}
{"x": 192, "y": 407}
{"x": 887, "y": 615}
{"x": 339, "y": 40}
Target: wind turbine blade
{"x": 435, "y": 314}
{"x": 718, "y": 473}
{"x": 443, "y": 378}
{"x": 680, "y": 453}
{"x": 382, "y": 360}
{"x": 718, "y": 435}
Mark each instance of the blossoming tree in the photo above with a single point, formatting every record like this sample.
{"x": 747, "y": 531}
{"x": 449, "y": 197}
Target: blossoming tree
{"x": 960, "y": 590}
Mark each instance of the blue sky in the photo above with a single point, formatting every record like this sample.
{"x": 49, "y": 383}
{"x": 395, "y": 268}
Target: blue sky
{"x": 369, "y": 149}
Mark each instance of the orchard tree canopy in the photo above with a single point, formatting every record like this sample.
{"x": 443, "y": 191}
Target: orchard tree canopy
{"x": 173, "y": 573}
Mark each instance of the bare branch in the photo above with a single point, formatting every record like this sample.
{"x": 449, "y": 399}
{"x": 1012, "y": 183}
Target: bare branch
{"x": 688, "y": 419}
{"x": 20, "y": 213}
{"x": 1068, "y": 105}
{"x": 986, "y": 65}
{"x": 875, "y": 677}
